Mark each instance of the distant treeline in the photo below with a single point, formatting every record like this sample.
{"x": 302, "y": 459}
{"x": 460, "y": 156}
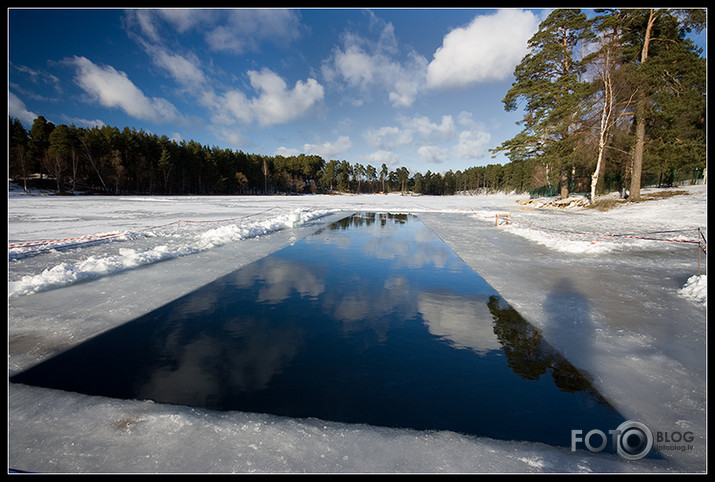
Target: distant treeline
{"x": 113, "y": 161}
{"x": 108, "y": 160}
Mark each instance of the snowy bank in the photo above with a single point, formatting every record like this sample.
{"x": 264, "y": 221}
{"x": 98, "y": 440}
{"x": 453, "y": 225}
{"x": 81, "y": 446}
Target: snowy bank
{"x": 96, "y": 266}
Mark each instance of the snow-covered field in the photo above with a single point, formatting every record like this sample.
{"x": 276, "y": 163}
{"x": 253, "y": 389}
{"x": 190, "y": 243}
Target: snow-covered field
{"x": 618, "y": 293}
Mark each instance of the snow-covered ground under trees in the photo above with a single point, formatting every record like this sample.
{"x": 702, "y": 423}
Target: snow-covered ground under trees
{"x": 621, "y": 293}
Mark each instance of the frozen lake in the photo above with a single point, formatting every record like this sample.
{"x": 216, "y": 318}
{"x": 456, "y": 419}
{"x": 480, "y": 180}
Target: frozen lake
{"x": 371, "y": 320}
{"x": 615, "y": 308}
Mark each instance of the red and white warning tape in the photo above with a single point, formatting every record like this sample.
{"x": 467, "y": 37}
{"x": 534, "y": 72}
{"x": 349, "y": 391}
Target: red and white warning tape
{"x": 64, "y": 240}
{"x": 556, "y": 233}
{"x": 98, "y": 237}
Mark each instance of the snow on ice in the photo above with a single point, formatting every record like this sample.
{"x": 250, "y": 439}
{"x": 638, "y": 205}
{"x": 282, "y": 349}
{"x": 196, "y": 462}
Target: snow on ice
{"x": 93, "y": 267}
{"x": 621, "y": 293}
{"x": 696, "y": 289}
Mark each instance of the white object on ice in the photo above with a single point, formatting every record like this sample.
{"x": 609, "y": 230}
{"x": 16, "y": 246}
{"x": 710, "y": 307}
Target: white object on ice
{"x": 696, "y": 289}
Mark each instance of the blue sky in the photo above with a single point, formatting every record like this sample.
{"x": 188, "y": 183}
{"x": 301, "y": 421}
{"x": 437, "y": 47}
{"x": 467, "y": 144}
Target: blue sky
{"x": 419, "y": 88}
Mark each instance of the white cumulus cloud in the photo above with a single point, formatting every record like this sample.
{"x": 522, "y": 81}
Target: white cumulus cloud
{"x": 487, "y": 49}
{"x": 16, "y": 108}
{"x": 432, "y": 154}
{"x": 365, "y": 64}
{"x": 473, "y": 144}
{"x": 329, "y": 150}
{"x": 425, "y": 129}
{"x": 387, "y": 137}
{"x": 287, "y": 151}
{"x": 383, "y": 157}
{"x": 274, "y": 104}
{"x": 112, "y": 88}
{"x": 235, "y": 31}
{"x": 184, "y": 69}
{"x": 241, "y": 30}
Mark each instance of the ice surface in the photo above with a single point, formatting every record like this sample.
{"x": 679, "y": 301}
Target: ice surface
{"x": 628, "y": 310}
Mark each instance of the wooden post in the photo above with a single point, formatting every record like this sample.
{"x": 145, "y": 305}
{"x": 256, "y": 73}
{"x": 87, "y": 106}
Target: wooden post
{"x": 507, "y": 217}
{"x": 699, "y": 249}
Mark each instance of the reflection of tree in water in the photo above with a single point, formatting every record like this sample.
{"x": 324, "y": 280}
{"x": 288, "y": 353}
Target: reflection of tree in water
{"x": 522, "y": 343}
{"x": 367, "y": 219}
{"x": 397, "y": 218}
{"x": 529, "y": 355}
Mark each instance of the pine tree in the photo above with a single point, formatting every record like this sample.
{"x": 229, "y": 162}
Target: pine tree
{"x": 656, "y": 45}
{"x": 549, "y": 80}
{"x": 18, "y": 158}
{"x": 39, "y": 143}
{"x": 166, "y": 166}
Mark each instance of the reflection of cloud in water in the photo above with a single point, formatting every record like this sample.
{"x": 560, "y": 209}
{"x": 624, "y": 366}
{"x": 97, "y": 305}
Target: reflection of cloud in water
{"x": 184, "y": 380}
{"x": 200, "y": 303}
{"x": 422, "y": 251}
{"x": 371, "y": 307}
{"x": 397, "y": 284}
{"x": 378, "y": 247}
{"x": 245, "y": 356}
{"x": 465, "y": 323}
{"x": 430, "y": 255}
{"x": 353, "y": 307}
{"x": 263, "y": 353}
{"x": 281, "y": 278}
{"x": 425, "y": 235}
{"x": 388, "y": 242}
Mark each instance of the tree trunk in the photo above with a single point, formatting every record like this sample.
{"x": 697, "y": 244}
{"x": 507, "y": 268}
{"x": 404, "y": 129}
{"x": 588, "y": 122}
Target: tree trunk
{"x": 599, "y": 166}
{"x": 265, "y": 176}
{"x": 635, "y": 194}
{"x": 91, "y": 161}
{"x": 564, "y": 178}
{"x": 605, "y": 124}
{"x": 637, "y": 169}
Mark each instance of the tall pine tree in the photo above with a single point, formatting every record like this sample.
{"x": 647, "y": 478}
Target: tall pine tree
{"x": 549, "y": 80}
{"x": 667, "y": 74}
